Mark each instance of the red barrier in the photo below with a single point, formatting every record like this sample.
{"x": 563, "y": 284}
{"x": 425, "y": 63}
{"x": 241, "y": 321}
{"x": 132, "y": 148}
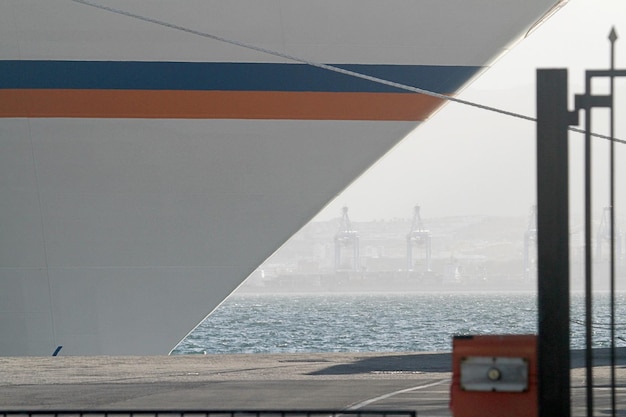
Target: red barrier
{"x": 494, "y": 376}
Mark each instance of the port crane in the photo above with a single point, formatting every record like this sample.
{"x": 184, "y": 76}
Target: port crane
{"x": 346, "y": 245}
{"x": 418, "y": 239}
{"x": 530, "y": 245}
{"x": 604, "y": 235}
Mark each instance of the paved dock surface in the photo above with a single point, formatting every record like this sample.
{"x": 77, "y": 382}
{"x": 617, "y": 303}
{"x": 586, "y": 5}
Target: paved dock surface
{"x": 279, "y": 381}
{"x": 406, "y": 381}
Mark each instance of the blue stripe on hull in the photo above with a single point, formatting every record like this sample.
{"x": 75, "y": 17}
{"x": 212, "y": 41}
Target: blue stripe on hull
{"x": 220, "y": 76}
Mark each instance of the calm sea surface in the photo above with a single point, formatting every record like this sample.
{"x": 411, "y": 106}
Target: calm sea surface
{"x": 381, "y": 323}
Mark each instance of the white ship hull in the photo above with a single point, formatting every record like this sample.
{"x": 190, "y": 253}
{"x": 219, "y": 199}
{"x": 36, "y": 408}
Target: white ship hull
{"x": 136, "y": 196}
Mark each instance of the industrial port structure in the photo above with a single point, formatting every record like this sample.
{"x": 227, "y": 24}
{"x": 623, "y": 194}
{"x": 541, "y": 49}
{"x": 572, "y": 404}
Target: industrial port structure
{"x": 416, "y": 253}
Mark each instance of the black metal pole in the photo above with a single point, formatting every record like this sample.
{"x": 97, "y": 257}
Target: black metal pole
{"x": 612, "y": 39}
{"x": 588, "y": 254}
{"x": 553, "y": 244}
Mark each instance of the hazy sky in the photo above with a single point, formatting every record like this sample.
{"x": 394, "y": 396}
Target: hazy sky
{"x": 466, "y": 161}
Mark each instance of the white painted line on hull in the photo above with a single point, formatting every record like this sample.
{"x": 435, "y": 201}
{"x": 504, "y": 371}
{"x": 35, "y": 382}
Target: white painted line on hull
{"x": 391, "y": 394}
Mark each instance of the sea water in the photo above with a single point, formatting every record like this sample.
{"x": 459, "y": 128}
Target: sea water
{"x": 288, "y": 323}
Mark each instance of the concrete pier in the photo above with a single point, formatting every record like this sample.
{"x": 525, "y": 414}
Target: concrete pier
{"x": 407, "y": 381}
{"x": 283, "y": 381}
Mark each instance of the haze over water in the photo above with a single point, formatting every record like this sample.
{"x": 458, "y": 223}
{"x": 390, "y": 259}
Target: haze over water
{"x": 288, "y": 323}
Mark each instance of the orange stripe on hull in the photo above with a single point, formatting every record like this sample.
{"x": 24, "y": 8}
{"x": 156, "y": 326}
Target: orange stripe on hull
{"x": 171, "y": 104}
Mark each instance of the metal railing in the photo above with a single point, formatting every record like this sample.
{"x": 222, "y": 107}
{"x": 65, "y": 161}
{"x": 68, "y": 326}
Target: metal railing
{"x": 208, "y": 413}
{"x": 553, "y": 124}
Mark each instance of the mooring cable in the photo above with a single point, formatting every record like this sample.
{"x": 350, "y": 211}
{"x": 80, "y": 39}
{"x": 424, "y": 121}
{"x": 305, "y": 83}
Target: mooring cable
{"x": 326, "y": 66}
